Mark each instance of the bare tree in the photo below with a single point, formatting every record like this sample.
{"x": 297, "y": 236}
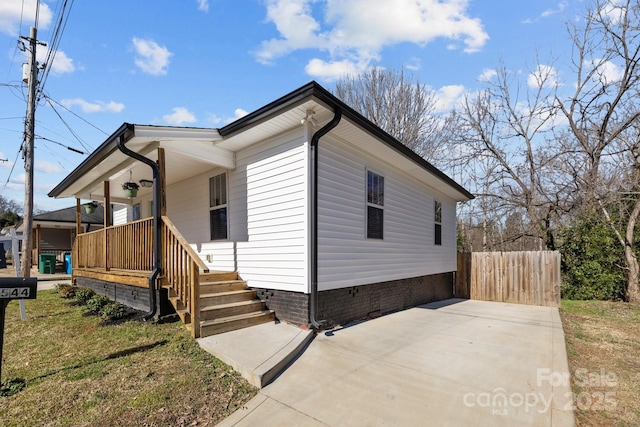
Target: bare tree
{"x": 603, "y": 114}
{"x": 398, "y": 104}
{"x": 510, "y": 124}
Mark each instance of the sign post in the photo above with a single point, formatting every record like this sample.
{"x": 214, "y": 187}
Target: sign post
{"x": 14, "y": 288}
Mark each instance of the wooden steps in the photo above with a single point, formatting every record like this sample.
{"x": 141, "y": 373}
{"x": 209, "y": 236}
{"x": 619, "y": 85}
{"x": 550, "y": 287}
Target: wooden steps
{"x": 225, "y": 305}
{"x": 231, "y": 323}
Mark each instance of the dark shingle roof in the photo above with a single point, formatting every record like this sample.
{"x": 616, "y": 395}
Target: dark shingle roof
{"x": 69, "y": 215}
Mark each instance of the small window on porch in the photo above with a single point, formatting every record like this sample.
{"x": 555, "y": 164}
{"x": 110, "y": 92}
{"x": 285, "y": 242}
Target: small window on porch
{"x": 218, "y": 206}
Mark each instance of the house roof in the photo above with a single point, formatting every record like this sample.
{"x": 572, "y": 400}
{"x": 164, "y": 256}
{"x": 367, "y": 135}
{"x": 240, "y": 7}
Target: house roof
{"x": 66, "y": 218}
{"x": 196, "y": 150}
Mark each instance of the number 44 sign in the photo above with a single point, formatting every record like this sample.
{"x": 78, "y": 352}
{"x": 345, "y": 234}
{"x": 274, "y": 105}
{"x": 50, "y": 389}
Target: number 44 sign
{"x": 18, "y": 288}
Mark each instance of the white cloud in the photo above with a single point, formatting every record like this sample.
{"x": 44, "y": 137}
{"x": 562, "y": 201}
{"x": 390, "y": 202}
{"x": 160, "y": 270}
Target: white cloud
{"x": 447, "y": 97}
{"x": 215, "y": 120}
{"x": 179, "y": 117}
{"x": 544, "y": 75}
{"x": 414, "y": 64}
{"x": 609, "y": 72}
{"x": 317, "y": 68}
{"x": 48, "y": 167}
{"x": 561, "y": 7}
{"x": 487, "y": 75}
{"x": 93, "y": 107}
{"x": 548, "y": 12}
{"x": 13, "y": 11}
{"x": 151, "y": 57}
{"x": 62, "y": 64}
{"x": 239, "y": 113}
{"x": 613, "y": 10}
{"x": 203, "y": 5}
{"x": 357, "y": 31}
{"x": 20, "y": 179}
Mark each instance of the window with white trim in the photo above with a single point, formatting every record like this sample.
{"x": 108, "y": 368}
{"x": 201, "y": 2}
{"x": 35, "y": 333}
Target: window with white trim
{"x": 218, "y": 206}
{"x": 437, "y": 208}
{"x": 375, "y": 205}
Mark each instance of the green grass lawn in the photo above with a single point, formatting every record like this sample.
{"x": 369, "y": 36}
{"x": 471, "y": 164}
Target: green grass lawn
{"x": 603, "y": 346}
{"x": 79, "y": 371}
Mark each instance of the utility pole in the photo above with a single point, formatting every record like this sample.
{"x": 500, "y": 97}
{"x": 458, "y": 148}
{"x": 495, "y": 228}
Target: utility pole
{"x": 27, "y": 242}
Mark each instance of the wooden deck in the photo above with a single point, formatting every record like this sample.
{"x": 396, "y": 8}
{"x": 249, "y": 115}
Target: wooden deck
{"x": 123, "y": 254}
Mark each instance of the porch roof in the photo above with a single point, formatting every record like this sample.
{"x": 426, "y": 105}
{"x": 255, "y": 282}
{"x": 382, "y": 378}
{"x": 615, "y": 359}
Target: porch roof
{"x": 196, "y": 150}
{"x": 192, "y": 150}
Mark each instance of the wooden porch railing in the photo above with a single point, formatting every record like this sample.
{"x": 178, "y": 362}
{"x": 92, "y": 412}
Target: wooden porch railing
{"x": 181, "y": 268}
{"x": 129, "y": 247}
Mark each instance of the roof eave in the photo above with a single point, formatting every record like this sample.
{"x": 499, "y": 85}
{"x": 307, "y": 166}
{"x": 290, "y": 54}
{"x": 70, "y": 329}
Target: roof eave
{"x": 103, "y": 151}
{"x": 313, "y": 89}
{"x": 129, "y": 131}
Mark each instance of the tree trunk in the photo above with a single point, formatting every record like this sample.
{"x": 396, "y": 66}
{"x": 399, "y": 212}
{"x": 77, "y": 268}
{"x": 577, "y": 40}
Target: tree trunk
{"x": 633, "y": 294}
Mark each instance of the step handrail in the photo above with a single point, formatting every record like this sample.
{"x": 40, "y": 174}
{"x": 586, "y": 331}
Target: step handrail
{"x": 182, "y": 268}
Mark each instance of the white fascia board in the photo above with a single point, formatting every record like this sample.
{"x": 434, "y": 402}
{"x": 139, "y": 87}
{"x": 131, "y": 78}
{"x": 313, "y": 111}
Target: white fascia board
{"x": 161, "y": 133}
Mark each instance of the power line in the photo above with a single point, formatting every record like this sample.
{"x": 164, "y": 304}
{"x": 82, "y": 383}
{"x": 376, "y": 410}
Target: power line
{"x": 75, "y": 150}
{"x": 15, "y": 51}
{"x": 12, "y": 168}
{"x": 81, "y": 118}
{"x": 77, "y": 137}
{"x": 55, "y": 41}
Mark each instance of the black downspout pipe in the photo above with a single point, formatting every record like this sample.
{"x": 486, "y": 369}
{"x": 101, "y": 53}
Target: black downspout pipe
{"x": 313, "y": 299}
{"x": 157, "y": 233}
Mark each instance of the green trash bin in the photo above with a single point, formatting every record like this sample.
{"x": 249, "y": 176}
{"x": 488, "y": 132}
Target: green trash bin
{"x": 47, "y": 264}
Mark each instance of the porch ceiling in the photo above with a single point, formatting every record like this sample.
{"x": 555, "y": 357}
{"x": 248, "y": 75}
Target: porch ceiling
{"x": 188, "y": 152}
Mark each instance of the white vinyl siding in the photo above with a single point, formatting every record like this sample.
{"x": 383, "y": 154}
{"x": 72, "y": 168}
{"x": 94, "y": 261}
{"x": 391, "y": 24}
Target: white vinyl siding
{"x": 346, "y": 257}
{"x": 274, "y": 254}
{"x": 267, "y": 219}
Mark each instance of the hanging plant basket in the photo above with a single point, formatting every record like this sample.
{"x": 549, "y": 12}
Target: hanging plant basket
{"x": 130, "y": 189}
{"x": 90, "y": 207}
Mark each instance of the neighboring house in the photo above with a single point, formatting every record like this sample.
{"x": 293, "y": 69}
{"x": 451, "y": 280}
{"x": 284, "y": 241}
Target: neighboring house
{"x": 322, "y": 215}
{"x": 54, "y": 232}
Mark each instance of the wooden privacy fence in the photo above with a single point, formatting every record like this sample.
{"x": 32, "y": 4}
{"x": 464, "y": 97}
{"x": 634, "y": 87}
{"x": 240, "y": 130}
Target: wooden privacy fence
{"x": 517, "y": 277}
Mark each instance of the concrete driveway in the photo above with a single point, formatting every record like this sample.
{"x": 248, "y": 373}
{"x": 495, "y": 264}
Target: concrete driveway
{"x": 452, "y": 363}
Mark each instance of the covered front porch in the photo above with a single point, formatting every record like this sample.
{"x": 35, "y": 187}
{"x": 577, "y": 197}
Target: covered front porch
{"x": 140, "y": 256}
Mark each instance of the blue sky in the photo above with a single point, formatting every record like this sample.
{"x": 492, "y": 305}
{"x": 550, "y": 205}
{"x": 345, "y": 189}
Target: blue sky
{"x": 204, "y": 63}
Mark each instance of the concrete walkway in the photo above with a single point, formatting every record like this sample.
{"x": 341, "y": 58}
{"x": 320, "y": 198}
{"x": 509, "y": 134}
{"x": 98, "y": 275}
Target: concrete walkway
{"x": 259, "y": 353}
{"x": 45, "y": 281}
{"x": 453, "y": 363}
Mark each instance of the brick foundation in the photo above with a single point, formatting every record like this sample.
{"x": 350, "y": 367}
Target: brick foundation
{"x": 131, "y": 296}
{"x": 290, "y": 307}
{"x": 340, "y": 306}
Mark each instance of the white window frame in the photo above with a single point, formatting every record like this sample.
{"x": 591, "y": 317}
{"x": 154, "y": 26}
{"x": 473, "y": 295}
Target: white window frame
{"x": 437, "y": 223}
{"x": 214, "y": 206}
{"x": 374, "y": 204}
